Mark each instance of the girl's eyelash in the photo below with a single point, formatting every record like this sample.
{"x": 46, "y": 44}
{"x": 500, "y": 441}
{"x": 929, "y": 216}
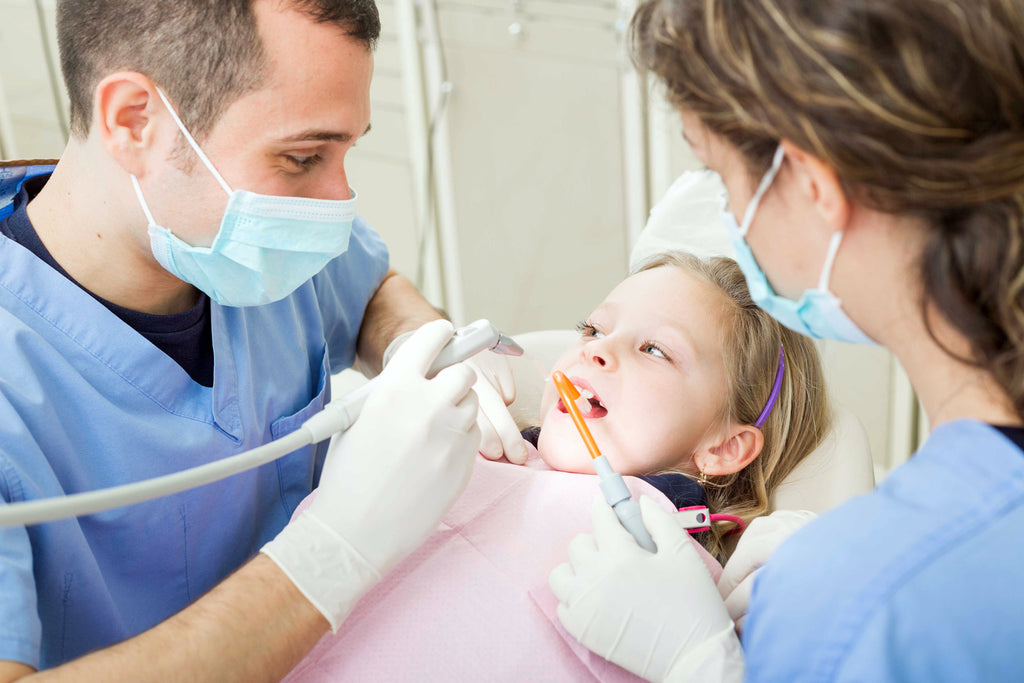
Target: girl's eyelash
{"x": 588, "y": 329}
{"x": 654, "y": 345}
{"x": 585, "y": 327}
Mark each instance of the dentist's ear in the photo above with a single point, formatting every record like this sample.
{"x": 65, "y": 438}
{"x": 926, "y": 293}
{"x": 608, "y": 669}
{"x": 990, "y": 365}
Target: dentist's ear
{"x": 737, "y": 449}
{"x": 128, "y": 120}
{"x": 819, "y": 184}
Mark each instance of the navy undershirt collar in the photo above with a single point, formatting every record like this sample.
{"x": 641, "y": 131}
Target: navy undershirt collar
{"x": 682, "y": 490}
{"x": 1014, "y": 434}
{"x": 186, "y": 337}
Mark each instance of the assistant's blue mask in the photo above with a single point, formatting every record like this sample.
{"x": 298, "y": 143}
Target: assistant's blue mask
{"x": 266, "y": 245}
{"x": 818, "y": 313}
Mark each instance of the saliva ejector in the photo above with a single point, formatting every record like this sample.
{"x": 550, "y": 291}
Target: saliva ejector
{"x": 612, "y": 485}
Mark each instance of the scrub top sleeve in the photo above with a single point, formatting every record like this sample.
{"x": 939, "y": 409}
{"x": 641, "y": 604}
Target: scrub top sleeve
{"x": 344, "y": 288}
{"x": 20, "y": 628}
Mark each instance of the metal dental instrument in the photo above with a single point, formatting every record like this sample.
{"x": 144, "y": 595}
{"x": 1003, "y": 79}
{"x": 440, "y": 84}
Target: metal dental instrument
{"x": 337, "y": 416}
{"x": 612, "y": 485}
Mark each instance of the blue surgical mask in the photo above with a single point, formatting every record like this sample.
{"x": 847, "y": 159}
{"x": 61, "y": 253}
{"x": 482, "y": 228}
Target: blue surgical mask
{"x": 266, "y": 245}
{"x": 818, "y": 313}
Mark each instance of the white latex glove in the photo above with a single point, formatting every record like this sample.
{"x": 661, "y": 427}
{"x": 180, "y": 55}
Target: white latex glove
{"x": 388, "y": 482}
{"x": 657, "y": 615}
{"x": 756, "y": 545}
{"x": 496, "y": 390}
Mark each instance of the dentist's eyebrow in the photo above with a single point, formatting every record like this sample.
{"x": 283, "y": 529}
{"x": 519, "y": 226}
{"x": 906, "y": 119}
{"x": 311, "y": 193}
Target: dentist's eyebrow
{"x": 318, "y": 135}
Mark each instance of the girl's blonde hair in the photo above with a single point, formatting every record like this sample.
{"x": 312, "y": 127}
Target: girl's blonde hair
{"x": 801, "y": 416}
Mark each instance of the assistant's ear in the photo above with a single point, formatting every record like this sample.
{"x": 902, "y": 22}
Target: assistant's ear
{"x": 126, "y": 119}
{"x": 736, "y": 449}
{"x": 819, "y": 184}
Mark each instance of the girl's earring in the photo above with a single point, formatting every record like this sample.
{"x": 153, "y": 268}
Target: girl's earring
{"x": 702, "y": 479}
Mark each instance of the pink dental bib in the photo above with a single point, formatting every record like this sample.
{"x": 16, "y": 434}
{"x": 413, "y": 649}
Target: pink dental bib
{"x": 473, "y": 603}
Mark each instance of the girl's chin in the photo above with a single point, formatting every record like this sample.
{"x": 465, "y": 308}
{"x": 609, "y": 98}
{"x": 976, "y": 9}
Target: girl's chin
{"x": 559, "y": 462}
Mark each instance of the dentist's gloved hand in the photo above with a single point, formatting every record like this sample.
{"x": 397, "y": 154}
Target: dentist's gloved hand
{"x": 495, "y": 387}
{"x": 658, "y": 615}
{"x": 757, "y": 544}
{"x": 388, "y": 482}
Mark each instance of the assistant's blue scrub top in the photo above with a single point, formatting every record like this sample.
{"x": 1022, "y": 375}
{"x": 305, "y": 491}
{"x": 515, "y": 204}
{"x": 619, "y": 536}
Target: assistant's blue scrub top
{"x": 87, "y": 403}
{"x": 920, "y": 580}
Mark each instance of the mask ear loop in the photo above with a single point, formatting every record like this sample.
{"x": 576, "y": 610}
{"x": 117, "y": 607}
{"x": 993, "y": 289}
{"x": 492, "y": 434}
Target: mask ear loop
{"x": 142, "y": 200}
{"x": 195, "y": 146}
{"x": 766, "y": 181}
{"x": 830, "y": 259}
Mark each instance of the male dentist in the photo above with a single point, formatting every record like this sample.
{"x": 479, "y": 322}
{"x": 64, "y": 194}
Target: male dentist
{"x": 177, "y": 289}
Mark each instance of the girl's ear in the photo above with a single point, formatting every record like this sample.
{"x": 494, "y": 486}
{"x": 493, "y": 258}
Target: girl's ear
{"x": 732, "y": 452}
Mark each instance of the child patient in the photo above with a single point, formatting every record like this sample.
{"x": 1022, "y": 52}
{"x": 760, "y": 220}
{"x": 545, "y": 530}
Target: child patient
{"x": 681, "y": 365}
{"x": 688, "y": 391}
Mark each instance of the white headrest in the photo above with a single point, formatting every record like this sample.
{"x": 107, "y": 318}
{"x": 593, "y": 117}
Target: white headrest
{"x": 688, "y": 218}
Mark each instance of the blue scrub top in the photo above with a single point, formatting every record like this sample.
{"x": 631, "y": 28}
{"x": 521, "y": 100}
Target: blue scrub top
{"x": 86, "y": 403}
{"x": 921, "y": 580}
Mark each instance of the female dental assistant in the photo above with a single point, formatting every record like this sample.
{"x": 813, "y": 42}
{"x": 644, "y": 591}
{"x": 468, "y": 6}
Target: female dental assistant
{"x": 873, "y": 154}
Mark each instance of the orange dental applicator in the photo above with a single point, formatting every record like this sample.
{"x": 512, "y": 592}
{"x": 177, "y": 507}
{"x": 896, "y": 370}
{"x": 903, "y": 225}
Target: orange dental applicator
{"x": 612, "y": 485}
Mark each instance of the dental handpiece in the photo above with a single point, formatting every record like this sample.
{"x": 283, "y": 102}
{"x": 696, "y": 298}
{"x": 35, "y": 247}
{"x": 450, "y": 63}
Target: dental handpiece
{"x": 337, "y": 416}
{"x": 613, "y": 486}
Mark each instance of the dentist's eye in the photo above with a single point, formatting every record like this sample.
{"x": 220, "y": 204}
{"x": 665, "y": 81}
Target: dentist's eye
{"x": 587, "y": 330}
{"x": 653, "y": 349}
{"x": 304, "y": 162}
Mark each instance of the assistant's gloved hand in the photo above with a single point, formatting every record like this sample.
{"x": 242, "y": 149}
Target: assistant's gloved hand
{"x": 758, "y": 542}
{"x": 658, "y": 615}
{"x": 495, "y": 387}
{"x": 388, "y": 482}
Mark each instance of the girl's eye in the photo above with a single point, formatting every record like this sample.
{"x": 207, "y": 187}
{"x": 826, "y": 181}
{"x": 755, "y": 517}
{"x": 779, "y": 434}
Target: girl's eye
{"x": 587, "y": 330}
{"x": 653, "y": 349}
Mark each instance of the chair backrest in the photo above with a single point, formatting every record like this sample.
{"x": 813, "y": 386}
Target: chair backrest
{"x": 838, "y": 469}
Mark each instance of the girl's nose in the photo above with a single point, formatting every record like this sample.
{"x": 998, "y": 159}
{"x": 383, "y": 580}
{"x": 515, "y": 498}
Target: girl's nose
{"x": 600, "y": 353}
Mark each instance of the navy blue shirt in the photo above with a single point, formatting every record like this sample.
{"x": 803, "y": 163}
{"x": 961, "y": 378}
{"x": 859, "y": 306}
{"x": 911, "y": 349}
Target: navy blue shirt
{"x": 185, "y": 337}
{"x": 1014, "y": 434}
